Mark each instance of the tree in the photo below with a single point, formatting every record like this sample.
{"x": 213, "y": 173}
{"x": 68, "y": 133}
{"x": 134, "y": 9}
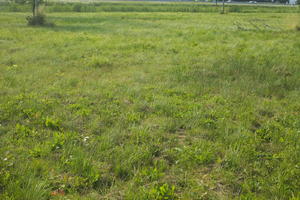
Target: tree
{"x": 223, "y": 9}
{"x": 35, "y": 7}
{"x": 37, "y": 18}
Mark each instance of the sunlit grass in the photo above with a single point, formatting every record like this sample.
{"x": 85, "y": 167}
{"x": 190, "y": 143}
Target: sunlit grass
{"x": 157, "y": 105}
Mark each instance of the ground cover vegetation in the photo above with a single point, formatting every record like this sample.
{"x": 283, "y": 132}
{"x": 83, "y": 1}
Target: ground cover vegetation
{"x": 150, "y": 105}
{"x": 56, "y": 6}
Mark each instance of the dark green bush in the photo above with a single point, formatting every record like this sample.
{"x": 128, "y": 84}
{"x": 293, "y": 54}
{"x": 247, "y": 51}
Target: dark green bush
{"x": 38, "y": 20}
{"x": 77, "y": 7}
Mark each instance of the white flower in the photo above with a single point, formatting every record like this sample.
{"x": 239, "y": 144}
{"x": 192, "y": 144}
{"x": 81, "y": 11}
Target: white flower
{"x": 85, "y": 138}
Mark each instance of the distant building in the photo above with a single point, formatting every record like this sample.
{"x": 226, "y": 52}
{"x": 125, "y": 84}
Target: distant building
{"x": 292, "y": 2}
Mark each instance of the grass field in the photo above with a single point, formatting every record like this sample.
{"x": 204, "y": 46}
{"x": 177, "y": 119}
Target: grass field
{"x": 139, "y": 6}
{"x": 150, "y": 105}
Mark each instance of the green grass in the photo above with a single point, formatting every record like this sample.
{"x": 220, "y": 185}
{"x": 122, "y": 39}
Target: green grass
{"x": 143, "y": 105}
{"x": 148, "y": 7}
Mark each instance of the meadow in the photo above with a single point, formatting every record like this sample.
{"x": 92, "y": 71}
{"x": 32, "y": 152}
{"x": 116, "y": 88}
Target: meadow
{"x": 150, "y": 105}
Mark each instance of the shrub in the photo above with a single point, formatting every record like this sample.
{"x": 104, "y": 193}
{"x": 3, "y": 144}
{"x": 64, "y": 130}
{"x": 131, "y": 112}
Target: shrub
{"x": 77, "y": 7}
{"x": 38, "y": 20}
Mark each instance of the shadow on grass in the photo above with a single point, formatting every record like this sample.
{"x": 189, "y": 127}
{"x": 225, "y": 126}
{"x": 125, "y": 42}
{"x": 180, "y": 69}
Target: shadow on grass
{"x": 91, "y": 24}
{"x": 99, "y": 24}
{"x": 80, "y": 28}
{"x": 83, "y": 19}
